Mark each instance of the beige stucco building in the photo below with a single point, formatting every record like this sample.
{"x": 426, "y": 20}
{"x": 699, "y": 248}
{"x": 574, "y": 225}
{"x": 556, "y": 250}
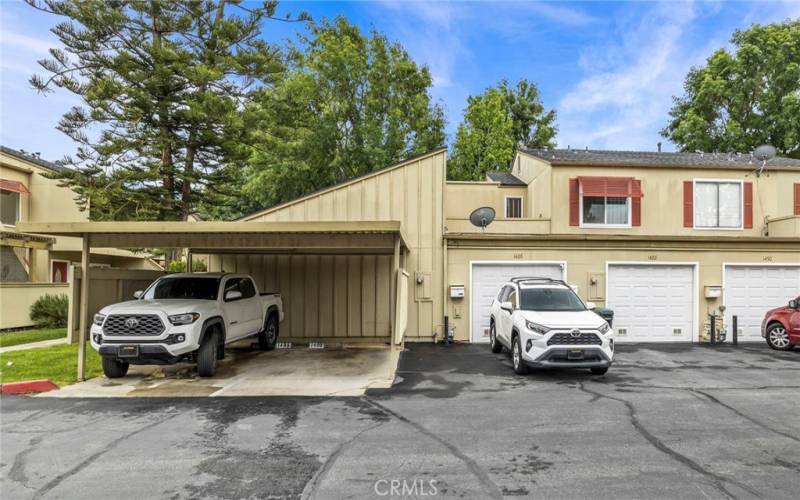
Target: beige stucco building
{"x": 663, "y": 239}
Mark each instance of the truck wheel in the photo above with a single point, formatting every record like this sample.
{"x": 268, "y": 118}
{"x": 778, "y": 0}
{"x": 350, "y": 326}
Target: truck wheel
{"x": 207, "y": 355}
{"x": 496, "y": 345}
{"x": 268, "y": 337}
{"x": 599, "y": 371}
{"x": 113, "y": 368}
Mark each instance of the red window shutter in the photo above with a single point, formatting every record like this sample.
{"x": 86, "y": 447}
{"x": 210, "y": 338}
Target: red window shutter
{"x": 574, "y": 203}
{"x": 797, "y": 199}
{"x": 636, "y": 203}
{"x": 688, "y": 204}
{"x": 748, "y": 205}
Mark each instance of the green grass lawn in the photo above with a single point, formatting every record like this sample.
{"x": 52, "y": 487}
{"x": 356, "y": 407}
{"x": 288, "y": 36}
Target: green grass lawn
{"x": 58, "y": 363}
{"x": 25, "y": 336}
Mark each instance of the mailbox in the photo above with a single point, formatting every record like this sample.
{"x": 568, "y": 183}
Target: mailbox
{"x": 456, "y": 291}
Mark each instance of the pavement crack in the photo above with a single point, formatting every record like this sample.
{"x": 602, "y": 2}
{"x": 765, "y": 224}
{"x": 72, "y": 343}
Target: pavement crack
{"x": 718, "y": 480}
{"x": 91, "y": 458}
{"x": 745, "y": 416}
{"x": 492, "y": 489}
{"x": 17, "y": 471}
{"x": 311, "y": 488}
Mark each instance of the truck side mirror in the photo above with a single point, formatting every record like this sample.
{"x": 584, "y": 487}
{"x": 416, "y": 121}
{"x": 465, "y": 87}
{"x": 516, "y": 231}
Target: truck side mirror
{"x": 591, "y": 305}
{"x": 233, "y": 295}
{"x": 137, "y": 294}
{"x": 506, "y": 306}
{"x": 793, "y": 304}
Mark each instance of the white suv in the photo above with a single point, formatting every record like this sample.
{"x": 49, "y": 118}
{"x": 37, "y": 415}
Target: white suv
{"x": 546, "y": 325}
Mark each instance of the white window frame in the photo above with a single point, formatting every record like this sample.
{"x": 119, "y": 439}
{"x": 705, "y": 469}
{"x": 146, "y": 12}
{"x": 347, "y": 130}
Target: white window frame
{"x": 592, "y": 225}
{"x": 69, "y": 270}
{"x": 18, "y": 216}
{"x": 718, "y": 181}
{"x": 521, "y": 206}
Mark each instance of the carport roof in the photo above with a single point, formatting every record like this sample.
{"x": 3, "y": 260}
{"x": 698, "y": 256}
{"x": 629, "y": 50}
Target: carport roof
{"x": 365, "y": 237}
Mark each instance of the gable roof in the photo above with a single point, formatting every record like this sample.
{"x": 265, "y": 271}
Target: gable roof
{"x": 505, "y": 178}
{"x": 22, "y": 155}
{"x": 595, "y": 157}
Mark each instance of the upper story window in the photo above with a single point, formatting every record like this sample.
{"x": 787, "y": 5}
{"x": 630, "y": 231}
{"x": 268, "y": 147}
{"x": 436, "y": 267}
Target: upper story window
{"x": 718, "y": 204}
{"x": 9, "y": 207}
{"x": 513, "y": 207}
{"x": 605, "y": 202}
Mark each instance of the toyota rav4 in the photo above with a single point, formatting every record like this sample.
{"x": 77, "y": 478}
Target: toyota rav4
{"x": 545, "y": 324}
{"x": 185, "y": 317}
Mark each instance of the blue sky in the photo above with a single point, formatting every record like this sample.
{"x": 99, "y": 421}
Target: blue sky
{"x": 609, "y": 69}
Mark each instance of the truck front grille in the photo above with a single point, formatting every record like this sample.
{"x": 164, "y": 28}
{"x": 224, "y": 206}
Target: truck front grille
{"x": 567, "y": 339}
{"x": 133, "y": 324}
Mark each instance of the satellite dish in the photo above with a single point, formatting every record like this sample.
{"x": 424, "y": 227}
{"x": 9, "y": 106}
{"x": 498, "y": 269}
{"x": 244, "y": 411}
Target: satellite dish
{"x": 764, "y": 153}
{"x": 482, "y": 217}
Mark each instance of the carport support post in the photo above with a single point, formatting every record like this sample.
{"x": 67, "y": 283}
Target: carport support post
{"x": 84, "y": 309}
{"x": 395, "y": 278}
{"x": 189, "y": 267}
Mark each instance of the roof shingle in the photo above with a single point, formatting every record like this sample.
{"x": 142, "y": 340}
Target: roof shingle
{"x": 656, "y": 159}
{"x": 505, "y": 178}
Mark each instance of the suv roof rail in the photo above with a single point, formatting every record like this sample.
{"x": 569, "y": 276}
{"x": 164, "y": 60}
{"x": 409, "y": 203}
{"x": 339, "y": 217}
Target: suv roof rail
{"x": 523, "y": 279}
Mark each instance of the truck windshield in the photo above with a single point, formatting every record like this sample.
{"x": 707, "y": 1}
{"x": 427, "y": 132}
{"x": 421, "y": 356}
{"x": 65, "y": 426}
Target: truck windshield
{"x": 550, "y": 299}
{"x": 183, "y": 288}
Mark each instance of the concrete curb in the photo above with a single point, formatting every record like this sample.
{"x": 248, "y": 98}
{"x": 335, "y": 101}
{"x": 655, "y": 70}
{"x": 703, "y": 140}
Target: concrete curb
{"x": 27, "y": 387}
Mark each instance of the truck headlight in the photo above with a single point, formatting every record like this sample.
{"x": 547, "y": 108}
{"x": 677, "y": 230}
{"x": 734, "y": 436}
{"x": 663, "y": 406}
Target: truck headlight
{"x": 184, "y": 319}
{"x": 604, "y": 329}
{"x": 99, "y": 318}
{"x": 536, "y": 328}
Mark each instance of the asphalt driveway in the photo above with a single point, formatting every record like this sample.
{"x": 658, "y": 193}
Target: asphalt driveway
{"x": 677, "y": 422}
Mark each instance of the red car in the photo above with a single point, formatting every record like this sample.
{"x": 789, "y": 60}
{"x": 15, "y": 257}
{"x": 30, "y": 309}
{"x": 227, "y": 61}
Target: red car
{"x": 781, "y": 326}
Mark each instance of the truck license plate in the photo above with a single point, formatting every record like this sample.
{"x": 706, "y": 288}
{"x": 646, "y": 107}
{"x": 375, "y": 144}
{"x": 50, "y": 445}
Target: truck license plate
{"x": 128, "y": 351}
{"x": 575, "y": 354}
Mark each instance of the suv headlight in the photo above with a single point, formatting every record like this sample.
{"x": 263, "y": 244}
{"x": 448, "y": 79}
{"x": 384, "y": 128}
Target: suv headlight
{"x": 604, "y": 329}
{"x": 99, "y": 318}
{"x": 184, "y": 319}
{"x": 536, "y": 328}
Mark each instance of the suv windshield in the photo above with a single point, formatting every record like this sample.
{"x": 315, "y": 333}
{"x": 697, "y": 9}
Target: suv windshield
{"x": 183, "y": 288}
{"x": 550, "y": 299}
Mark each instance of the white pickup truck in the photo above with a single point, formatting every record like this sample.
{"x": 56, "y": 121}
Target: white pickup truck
{"x": 185, "y": 317}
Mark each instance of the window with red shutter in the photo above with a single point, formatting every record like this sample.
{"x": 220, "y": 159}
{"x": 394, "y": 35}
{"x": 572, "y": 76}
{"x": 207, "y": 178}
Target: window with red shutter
{"x": 607, "y": 202}
{"x": 748, "y": 205}
{"x": 797, "y": 199}
{"x": 574, "y": 203}
{"x": 688, "y": 204}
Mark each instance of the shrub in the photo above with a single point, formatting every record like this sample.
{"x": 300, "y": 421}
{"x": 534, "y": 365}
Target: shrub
{"x": 179, "y": 266}
{"x": 50, "y": 311}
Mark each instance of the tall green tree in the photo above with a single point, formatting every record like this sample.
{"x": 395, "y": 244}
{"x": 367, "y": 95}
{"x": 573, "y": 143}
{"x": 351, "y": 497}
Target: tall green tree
{"x": 495, "y": 123}
{"x": 349, "y": 103}
{"x": 741, "y": 99}
{"x": 162, "y": 85}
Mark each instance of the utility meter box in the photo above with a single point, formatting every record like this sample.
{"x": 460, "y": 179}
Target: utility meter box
{"x": 456, "y": 291}
{"x": 713, "y": 292}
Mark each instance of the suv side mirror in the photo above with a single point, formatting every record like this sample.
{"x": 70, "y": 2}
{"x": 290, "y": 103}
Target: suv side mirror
{"x": 591, "y": 305}
{"x": 793, "y": 304}
{"x": 233, "y": 295}
{"x": 137, "y": 294}
{"x": 506, "y": 306}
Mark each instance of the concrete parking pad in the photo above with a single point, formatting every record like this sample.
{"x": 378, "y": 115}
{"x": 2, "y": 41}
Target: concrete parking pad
{"x": 665, "y": 422}
{"x": 299, "y": 371}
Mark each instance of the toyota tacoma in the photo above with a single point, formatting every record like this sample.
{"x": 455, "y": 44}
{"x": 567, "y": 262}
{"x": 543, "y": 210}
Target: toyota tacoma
{"x": 185, "y": 317}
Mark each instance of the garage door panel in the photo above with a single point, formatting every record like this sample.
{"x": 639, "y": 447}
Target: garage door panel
{"x": 487, "y": 278}
{"x": 650, "y": 302}
{"x": 752, "y": 290}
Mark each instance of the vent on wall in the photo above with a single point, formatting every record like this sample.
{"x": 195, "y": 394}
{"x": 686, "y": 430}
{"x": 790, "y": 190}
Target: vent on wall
{"x": 622, "y": 331}
{"x": 677, "y": 331}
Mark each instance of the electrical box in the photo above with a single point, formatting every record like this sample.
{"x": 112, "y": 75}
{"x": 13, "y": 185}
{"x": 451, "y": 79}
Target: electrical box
{"x": 456, "y": 291}
{"x": 713, "y": 292}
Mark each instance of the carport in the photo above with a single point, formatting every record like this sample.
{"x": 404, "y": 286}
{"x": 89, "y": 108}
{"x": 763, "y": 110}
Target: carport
{"x": 316, "y": 249}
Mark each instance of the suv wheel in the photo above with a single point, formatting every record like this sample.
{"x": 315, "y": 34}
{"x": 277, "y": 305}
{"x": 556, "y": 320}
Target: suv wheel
{"x": 207, "y": 355}
{"x": 493, "y": 342}
{"x": 599, "y": 371}
{"x": 113, "y": 368}
{"x": 268, "y": 337}
{"x": 778, "y": 338}
{"x": 520, "y": 368}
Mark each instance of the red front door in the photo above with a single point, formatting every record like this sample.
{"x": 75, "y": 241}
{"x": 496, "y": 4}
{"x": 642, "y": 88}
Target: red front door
{"x": 59, "y": 272}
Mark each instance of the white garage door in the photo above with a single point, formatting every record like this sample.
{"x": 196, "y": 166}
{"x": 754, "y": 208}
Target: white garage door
{"x": 751, "y": 291}
{"x": 487, "y": 278}
{"x": 652, "y": 303}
